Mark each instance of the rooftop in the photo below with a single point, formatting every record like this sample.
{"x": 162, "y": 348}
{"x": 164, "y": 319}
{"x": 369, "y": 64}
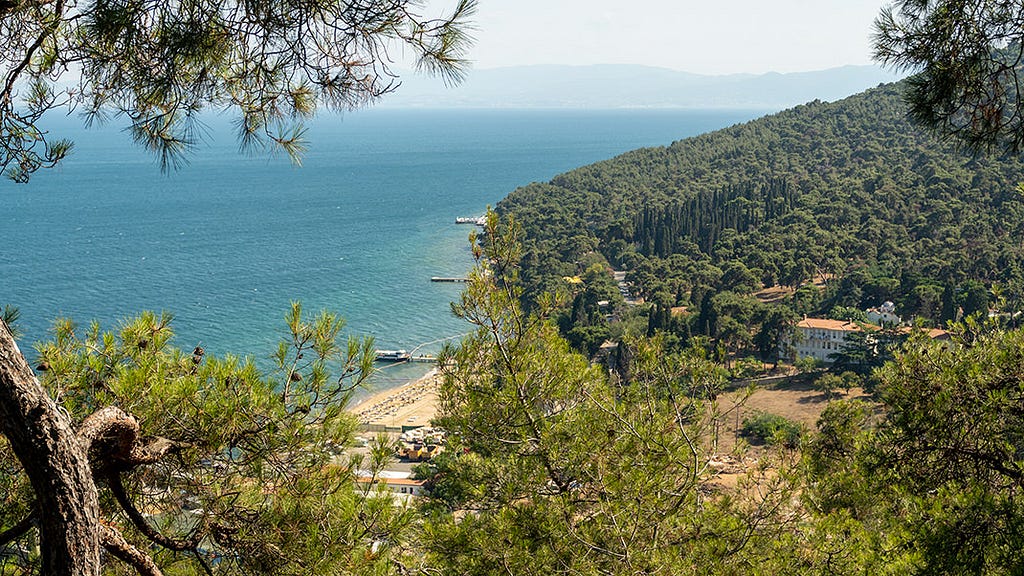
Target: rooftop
{"x": 391, "y": 481}
{"x": 825, "y": 324}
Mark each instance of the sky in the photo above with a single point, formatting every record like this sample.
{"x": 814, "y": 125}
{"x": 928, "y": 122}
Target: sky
{"x": 704, "y": 37}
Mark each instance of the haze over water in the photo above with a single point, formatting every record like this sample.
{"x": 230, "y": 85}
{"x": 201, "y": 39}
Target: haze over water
{"x": 226, "y": 242}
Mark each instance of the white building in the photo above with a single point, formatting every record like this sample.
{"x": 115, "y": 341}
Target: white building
{"x": 884, "y": 314}
{"x": 399, "y": 483}
{"x": 818, "y": 338}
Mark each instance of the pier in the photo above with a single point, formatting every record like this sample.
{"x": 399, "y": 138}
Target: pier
{"x": 402, "y": 356}
{"x": 447, "y": 279}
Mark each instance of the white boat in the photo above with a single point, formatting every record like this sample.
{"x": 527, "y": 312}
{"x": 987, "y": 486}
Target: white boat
{"x": 393, "y": 355}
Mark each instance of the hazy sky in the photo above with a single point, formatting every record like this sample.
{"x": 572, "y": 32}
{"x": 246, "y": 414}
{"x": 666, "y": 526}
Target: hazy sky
{"x": 707, "y": 36}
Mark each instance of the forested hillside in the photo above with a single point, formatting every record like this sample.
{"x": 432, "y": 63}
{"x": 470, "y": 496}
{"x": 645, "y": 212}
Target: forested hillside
{"x": 848, "y": 191}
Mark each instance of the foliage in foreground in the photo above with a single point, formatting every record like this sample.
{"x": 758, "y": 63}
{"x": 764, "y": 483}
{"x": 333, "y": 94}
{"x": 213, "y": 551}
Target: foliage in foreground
{"x": 556, "y": 466}
{"x": 246, "y": 483}
{"x": 966, "y": 58}
{"x": 558, "y": 469}
{"x": 160, "y": 64}
{"x": 933, "y": 484}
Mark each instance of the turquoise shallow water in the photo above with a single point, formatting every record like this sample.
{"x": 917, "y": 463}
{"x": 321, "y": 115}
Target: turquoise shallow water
{"x": 226, "y": 242}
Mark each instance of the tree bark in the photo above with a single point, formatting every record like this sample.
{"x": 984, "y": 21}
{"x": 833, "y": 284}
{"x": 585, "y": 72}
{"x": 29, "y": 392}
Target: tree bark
{"x": 56, "y": 463}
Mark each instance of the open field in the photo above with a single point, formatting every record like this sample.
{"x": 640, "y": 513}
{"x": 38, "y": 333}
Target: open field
{"x": 793, "y": 399}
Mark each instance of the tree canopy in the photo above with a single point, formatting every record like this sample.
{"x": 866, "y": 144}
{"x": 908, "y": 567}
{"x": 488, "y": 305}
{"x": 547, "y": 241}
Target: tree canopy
{"x": 208, "y": 465}
{"x": 966, "y": 56}
{"x": 931, "y": 484}
{"x": 558, "y": 469}
{"x": 848, "y": 194}
{"x": 178, "y": 462}
{"x": 159, "y": 64}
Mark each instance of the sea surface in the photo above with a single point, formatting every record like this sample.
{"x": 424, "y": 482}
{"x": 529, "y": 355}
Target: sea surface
{"x": 227, "y": 241}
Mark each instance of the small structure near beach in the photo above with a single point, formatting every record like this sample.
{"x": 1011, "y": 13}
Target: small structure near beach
{"x": 401, "y": 485}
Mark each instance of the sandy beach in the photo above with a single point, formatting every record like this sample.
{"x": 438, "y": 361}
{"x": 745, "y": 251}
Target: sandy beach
{"x": 412, "y": 404}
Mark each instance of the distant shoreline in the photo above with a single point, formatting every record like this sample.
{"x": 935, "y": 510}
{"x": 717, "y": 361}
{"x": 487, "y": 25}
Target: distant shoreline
{"x": 129, "y": 243}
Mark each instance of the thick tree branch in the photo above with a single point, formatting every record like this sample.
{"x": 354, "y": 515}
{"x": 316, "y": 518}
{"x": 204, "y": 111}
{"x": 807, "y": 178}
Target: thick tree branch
{"x": 56, "y": 464}
{"x": 109, "y": 434}
{"x": 139, "y": 521}
{"x": 114, "y": 543}
{"x": 112, "y": 438}
{"x": 17, "y": 531}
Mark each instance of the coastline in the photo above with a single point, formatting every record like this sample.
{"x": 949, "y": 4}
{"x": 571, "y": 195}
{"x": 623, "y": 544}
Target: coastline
{"x": 411, "y": 404}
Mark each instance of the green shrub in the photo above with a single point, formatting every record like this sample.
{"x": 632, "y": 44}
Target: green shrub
{"x": 829, "y": 384}
{"x": 807, "y": 364}
{"x": 747, "y": 367}
{"x": 772, "y": 429}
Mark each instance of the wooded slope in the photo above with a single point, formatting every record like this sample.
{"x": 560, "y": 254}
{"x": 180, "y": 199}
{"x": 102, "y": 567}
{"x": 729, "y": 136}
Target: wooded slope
{"x": 848, "y": 188}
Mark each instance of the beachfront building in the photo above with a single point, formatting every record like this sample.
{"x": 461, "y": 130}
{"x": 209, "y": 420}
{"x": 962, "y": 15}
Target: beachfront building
{"x": 401, "y": 485}
{"x": 819, "y": 338}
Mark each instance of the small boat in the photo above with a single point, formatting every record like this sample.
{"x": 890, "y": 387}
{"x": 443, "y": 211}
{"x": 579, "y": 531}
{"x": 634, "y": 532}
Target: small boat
{"x": 393, "y": 355}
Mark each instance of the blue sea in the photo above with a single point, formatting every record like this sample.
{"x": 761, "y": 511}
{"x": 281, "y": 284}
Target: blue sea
{"x": 227, "y": 241}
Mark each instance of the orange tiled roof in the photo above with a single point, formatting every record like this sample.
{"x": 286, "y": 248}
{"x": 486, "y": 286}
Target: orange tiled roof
{"x": 824, "y": 324}
{"x": 933, "y": 333}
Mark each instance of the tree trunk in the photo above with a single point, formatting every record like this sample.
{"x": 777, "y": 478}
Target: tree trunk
{"x": 57, "y": 465}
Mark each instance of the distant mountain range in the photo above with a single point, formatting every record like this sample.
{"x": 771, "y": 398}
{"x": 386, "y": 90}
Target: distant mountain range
{"x": 631, "y": 86}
